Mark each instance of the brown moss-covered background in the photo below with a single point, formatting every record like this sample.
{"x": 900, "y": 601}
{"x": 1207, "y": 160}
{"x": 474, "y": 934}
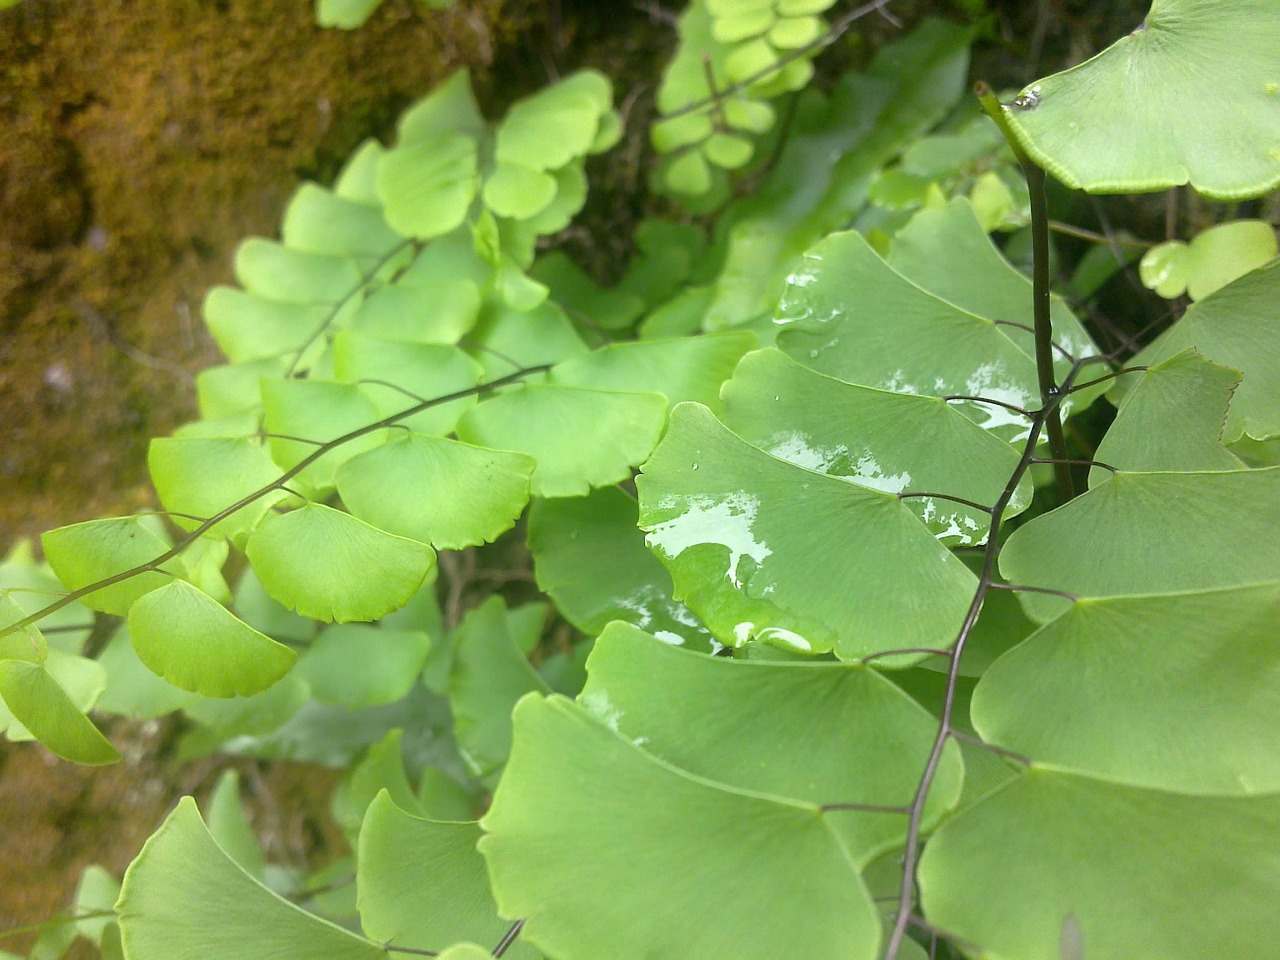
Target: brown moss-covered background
{"x": 139, "y": 143}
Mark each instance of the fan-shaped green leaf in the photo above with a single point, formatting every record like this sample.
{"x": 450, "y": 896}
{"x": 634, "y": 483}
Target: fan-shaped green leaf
{"x": 273, "y": 271}
{"x": 319, "y": 221}
{"x": 27, "y": 643}
{"x": 345, "y": 14}
{"x": 489, "y": 674}
{"x": 505, "y": 339}
{"x": 328, "y": 565}
{"x": 30, "y": 585}
{"x": 422, "y": 883}
{"x": 235, "y": 388}
{"x": 689, "y": 368}
{"x": 183, "y": 898}
{"x": 449, "y": 494}
{"x": 426, "y": 188}
{"x": 133, "y": 690}
{"x": 448, "y": 110}
{"x": 440, "y": 313}
{"x": 850, "y": 315}
{"x": 1236, "y": 327}
{"x": 380, "y": 769}
{"x": 832, "y": 153}
{"x": 96, "y": 892}
{"x": 946, "y": 251}
{"x": 35, "y": 699}
{"x": 1131, "y": 536}
{"x": 1213, "y": 259}
{"x": 600, "y": 571}
{"x": 513, "y": 190}
{"x": 356, "y": 180}
{"x": 630, "y": 862}
{"x": 83, "y": 554}
{"x": 421, "y": 371}
{"x": 1175, "y": 691}
{"x": 355, "y": 665}
{"x": 555, "y": 125}
{"x": 1190, "y": 96}
{"x": 317, "y": 411}
{"x": 571, "y": 194}
{"x": 893, "y": 442}
{"x": 247, "y": 716}
{"x": 800, "y": 739}
{"x": 581, "y": 296}
{"x": 579, "y": 438}
{"x": 197, "y": 644}
{"x": 203, "y": 477}
{"x": 759, "y": 547}
{"x": 1172, "y": 420}
{"x": 1123, "y": 871}
{"x": 249, "y": 327}
{"x": 230, "y": 828}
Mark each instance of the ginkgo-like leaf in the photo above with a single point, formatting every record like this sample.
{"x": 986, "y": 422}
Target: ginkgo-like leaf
{"x": 1172, "y": 420}
{"x": 197, "y": 644}
{"x": 1189, "y": 96}
{"x": 579, "y": 438}
{"x": 29, "y": 585}
{"x": 690, "y": 368}
{"x": 893, "y": 442}
{"x": 439, "y": 313}
{"x": 449, "y": 494}
{"x": 946, "y": 251}
{"x": 1123, "y": 871}
{"x": 806, "y": 736}
{"x": 397, "y": 376}
{"x": 761, "y": 548}
{"x": 85, "y": 553}
{"x": 344, "y": 14}
{"x": 832, "y": 152}
{"x": 380, "y": 769}
{"x": 183, "y": 898}
{"x": 422, "y": 883}
{"x": 630, "y": 862}
{"x": 203, "y": 477}
{"x": 1214, "y": 258}
{"x": 355, "y": 665}
{"x": 506, "y": 339}
{"x": 1175, "y": 691}
{"x": 249, "y": 327}
{"x": 316, "y": 412}
{"x": 426, "y": 188}
{"x": 1131, "y": 535}
{"x": 449, "y": 109}
{"x": 229, "y": 826}
{"x": 24, "y": 643}
{"x": 132, "y": 689}
{"x": 35, "y": 698}
{"x": 602, "y": 571}
{"x": 555, "y": 125}
{"x": 1236, "y": 327}
{"x": 489, "y": 673}
{"x": 275, "y": 272}
{"x": 320, "y": 221}
{"x": 234, "y": 389}
{"x": 515, "y": 190}
{"x": 850, "y": 315}
{"x": 328, "y": 565}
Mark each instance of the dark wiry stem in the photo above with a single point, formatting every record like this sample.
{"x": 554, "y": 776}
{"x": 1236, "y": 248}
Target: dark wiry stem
{"x": 278, "y": 484}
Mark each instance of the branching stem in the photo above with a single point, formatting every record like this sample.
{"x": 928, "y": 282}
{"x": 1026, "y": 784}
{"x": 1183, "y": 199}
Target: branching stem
{"x": 278, "y": 484}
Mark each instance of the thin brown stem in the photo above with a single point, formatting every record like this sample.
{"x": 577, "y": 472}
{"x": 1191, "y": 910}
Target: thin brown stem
{"x": 278, "y": 484}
